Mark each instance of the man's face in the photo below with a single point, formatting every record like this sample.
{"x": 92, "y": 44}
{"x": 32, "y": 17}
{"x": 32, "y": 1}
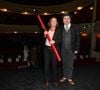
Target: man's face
{"x": 66, "y": 20}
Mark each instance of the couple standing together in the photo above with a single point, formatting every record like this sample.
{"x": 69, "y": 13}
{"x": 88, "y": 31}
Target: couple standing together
{"x": 67, "y": 40}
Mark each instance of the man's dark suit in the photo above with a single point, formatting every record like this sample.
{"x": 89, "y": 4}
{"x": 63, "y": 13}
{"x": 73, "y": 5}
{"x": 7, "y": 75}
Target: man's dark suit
{"x": 68, "y": 49}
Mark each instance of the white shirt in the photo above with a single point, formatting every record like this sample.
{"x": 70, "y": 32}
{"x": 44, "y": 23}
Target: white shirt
{"x": 51, "y": 33}
{"x": 69, "y": 25}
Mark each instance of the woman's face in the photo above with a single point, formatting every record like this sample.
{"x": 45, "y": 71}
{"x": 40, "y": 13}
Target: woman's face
{"x": 53, "y": 22}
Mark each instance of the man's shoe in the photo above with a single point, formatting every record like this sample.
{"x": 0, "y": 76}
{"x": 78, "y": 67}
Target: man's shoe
{"x": 71, "y": 82}
{"x": 63, "y": 79}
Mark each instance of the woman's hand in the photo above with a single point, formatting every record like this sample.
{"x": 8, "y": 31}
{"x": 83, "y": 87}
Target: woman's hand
{"x": 45, "y": 33}
{"x": 52, "y": 42}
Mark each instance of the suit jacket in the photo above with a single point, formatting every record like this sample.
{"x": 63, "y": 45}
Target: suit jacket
{"x": 75, "y": 37}
{"x": 56, "y": 39}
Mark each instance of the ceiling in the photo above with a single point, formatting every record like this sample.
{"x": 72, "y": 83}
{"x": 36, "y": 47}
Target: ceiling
{"x": 40, "y": 2}
{"x": 14, "y": 14}
{"x": 41, "y": 9}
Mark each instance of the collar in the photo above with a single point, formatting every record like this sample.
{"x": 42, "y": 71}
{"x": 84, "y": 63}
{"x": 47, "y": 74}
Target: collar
{"x": 69, "y": 25}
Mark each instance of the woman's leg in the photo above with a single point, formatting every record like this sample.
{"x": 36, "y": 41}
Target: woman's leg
{"x": 54, "y": 66}
{"x": 46, "y": 63}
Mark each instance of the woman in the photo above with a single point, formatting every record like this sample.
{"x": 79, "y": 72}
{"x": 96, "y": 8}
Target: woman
{"x": 49, "y": 57}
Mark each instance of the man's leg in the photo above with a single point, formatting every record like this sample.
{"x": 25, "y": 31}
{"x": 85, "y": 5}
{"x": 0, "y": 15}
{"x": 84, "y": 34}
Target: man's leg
{"x": 68, "y": 59}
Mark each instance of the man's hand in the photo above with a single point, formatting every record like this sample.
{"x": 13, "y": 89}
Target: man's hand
{"x": 75, "y": 52}
{"x": 52, "y": 42}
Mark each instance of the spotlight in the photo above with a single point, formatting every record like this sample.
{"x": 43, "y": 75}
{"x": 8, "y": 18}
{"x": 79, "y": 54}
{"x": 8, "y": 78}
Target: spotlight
{"x": 63, "y": 12}
{"x": 34, "y": 9}
{"x": 25, "y": 13}
{"x": 84, "y": 27}
{"x": 4, "y": 10}
{"x": 91, "y": 8}
{"x": 75, "y": 12}
{"x": 45, "y": 13}
{"x": 79, "y": 8}
{"x": 15, "y": 32}
{"x": 84, "y": 34}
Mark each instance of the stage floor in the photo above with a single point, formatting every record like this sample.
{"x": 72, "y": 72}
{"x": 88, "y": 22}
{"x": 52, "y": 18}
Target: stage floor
{"x": 87, "y": 77}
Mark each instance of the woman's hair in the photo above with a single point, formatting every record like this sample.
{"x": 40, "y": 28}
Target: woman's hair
{"x": 49, "y": 23}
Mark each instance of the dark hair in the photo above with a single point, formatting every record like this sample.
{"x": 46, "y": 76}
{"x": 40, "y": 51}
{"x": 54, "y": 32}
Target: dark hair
{"x": 67, "y": 14}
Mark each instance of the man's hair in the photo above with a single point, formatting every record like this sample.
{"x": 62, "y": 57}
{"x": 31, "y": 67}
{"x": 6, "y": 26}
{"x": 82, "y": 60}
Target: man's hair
{"x": 67, "y": 14}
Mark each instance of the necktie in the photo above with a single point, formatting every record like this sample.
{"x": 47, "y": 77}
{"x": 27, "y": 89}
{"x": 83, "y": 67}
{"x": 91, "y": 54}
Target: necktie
{"x": 66, "y": 28}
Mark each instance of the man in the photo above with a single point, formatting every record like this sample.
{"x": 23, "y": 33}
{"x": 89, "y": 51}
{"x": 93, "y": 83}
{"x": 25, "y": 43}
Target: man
{"x": 70, "y": 42}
